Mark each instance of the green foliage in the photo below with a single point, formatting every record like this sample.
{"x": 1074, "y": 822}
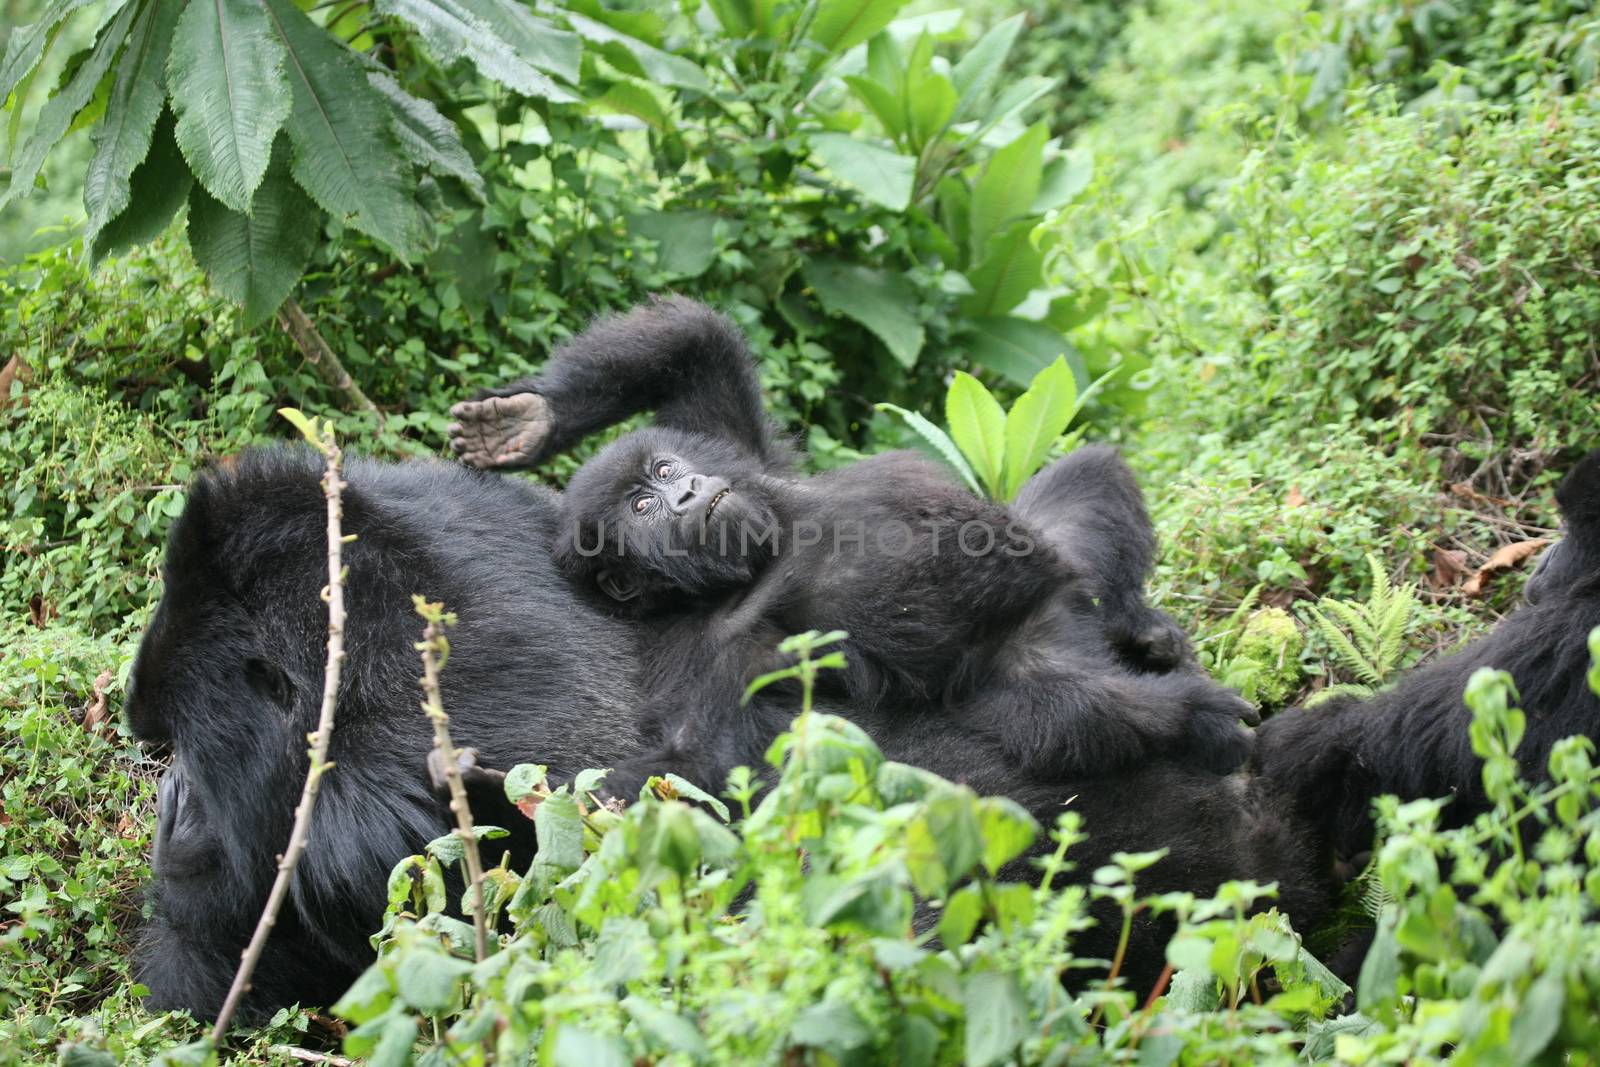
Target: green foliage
{"x": 1256, "y": 651}
{"x": 1365, "y": 639}
{"x": 995, "y": 451}
{"x": 1437, "y": 284}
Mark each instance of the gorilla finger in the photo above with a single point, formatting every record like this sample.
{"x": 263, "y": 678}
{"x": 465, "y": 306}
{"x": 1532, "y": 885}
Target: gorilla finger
{"x": 464, "y": 410}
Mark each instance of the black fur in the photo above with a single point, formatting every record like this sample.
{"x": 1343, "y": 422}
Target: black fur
{"x": 1412, "y": 740}
{"x": 699, "y": 526}
{"x": 229, "y": 677}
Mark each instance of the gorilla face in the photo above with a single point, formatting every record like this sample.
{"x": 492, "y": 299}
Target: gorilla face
{"x": 662, "y": 515}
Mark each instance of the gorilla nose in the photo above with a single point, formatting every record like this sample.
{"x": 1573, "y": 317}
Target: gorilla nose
{"x": 687, "y": 492}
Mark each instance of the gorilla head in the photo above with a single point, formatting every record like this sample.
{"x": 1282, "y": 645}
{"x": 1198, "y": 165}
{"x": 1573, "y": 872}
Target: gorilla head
{"x": 1572, "y": 564}
{"x": 663, "y": 515}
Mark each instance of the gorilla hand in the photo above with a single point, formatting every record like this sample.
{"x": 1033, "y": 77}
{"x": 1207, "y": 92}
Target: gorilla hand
{"x": 501, "y": 431}
{"x": 1214, "y": 734}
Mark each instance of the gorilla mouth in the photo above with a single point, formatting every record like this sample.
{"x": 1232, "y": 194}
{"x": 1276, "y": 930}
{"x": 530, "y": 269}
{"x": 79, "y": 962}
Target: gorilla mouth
{"x": 712, "y": 507}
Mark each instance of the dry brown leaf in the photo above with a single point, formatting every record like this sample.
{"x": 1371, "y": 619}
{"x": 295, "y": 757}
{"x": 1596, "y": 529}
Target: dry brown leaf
{"x": 1505, "y": 557}
{"x": 529, "y": 805}
{"x": 96, "y": 715}
{"x": 14, "y": 369}
{"x": 1295, "y": 499}
{"x": 1449, "y": 565}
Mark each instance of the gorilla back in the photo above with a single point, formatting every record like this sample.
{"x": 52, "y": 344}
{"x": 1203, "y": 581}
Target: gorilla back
{"x": 1412, "y": 740}
{"x": 230, "y": 677}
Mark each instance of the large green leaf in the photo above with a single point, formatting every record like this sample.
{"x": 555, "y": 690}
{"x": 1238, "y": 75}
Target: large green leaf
{"x": 157, "y": 189}
{"x": 346, "y": 154}
{"x": 1064, "y": 178}
{"x": 975, "y": 73}
{"x": 122, "y": 140}
{"x": 58, "y": 112}
{"x": 1039, "y": 416}
{"x": 1018, "y": 348}
{"x": 1012, "y": 99}
{"x": 226, "y": 79}
{"x": 538, "y": 40}
{"x": 884, "y": 102}
{"x": 1010, "y": 268}
{"x": 1006, "y": 190}
{"x": 686, "y": 240}
{"x": 453, "y": 32}
{"x": 940, "y": 442}
{"x": 647, "y": 61}
{"x": 840, "y": 25}
{"x": 978, "y": 424}
{"x": 430, "y": 139}
{"x": 876, "y": 299}
{"x": 255, "y": 259}
{"x": 27, "y": 44}
{"x": 997, "y": 1017}
{"x": 881, "y": 175}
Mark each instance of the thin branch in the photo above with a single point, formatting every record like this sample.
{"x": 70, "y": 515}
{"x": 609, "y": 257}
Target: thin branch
{"x": 332, "y": 488}
{"x": 298, "y": 325}
{"x": 435, "y": 649}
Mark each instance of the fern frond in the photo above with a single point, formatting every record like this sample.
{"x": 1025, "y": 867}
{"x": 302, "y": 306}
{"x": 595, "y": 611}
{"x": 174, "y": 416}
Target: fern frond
{"x": 1392, "y": 628}
{"x": 1352, "y": 689}
{"x": 1357, "y": 622}
{"x": 1345, "y": 652}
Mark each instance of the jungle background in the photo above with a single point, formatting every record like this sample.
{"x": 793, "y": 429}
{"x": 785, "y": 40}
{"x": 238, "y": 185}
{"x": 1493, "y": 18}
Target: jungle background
{"x": 1337, "y": 263}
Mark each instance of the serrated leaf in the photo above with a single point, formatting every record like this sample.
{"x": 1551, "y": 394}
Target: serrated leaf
{"x": 1010, "y": 269}
{"x": 58, "y": 112}
{"x": 975, "y": 73}
{"x": 878, "y": 300}
{"x": 157, "y": 189}
{"x": 1018, "y": 348}
{"x": 840, "y": 25}
{"x": 345, "y": 152}
{"x": 122, "y": 140}
{"x": 1006, "y": 190}
{"x": 939, "y": 441}
{"x": 452, "y": 32}
{"x": 978, "y": 426}
{"x": 537, "y": 40}
{"x": 881, "y": 175}
{"x": 255, "y": 260}
{"x": 27, "y": 44}
{"x": 997, "y": 1017}
{"x": 430, "y": 139}
{"x": 226, "y": 78}
{"x": 1039, "y": 416}
{"x": 662, "y": 68}
{"x": 665, "y": 1029}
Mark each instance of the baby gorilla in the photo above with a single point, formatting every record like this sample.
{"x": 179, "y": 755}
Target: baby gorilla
{"x": 699, "y": 527}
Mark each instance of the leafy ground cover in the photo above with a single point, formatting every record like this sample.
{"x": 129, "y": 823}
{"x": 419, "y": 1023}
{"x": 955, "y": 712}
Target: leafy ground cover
{"x": 1339, "y": 260}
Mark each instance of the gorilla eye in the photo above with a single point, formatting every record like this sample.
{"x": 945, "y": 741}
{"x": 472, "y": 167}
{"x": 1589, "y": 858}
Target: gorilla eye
{"x": 663, "y": 468}
{"x": 641, "y": 504}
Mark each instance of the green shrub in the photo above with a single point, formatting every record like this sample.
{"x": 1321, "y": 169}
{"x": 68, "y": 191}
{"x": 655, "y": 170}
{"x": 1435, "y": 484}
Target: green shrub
{"x": 1432, "y": 272}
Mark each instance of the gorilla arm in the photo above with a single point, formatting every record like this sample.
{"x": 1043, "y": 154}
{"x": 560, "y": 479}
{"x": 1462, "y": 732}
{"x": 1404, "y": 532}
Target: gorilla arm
{"x": 674, "y": 356}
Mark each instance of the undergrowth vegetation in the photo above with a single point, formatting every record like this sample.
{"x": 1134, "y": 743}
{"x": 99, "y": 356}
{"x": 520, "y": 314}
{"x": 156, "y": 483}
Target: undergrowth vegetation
{"x": 1336, "y": 263}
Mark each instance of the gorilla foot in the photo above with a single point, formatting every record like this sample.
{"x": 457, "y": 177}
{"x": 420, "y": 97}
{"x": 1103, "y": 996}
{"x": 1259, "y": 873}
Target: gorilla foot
{"x": 501, "y": 431}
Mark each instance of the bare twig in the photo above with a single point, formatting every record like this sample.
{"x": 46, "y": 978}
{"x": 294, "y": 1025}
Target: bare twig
{"x": 298, "y": 325}
{"x": 305, "y": 1055}
{"x": 435, "y": 649}
{"x": 332, "y": 488}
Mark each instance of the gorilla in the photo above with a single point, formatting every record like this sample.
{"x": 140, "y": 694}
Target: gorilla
{"x": 1412, "y": 739}
{"x": 229, "y": 677}
{"x": 699, "y": 527}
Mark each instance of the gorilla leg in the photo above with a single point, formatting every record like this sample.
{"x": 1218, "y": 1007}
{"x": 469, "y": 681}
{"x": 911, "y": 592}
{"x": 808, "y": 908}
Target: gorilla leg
{"x": 1089, "y": 508}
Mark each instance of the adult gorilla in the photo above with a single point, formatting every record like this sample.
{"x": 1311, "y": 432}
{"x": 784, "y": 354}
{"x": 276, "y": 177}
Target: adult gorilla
{"x": 230, "y": 676}
{"x": 1412, "y": 740}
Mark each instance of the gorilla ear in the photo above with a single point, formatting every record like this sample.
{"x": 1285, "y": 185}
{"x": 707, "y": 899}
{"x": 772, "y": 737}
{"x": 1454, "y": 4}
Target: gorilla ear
{"x": 617, "y": 587}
